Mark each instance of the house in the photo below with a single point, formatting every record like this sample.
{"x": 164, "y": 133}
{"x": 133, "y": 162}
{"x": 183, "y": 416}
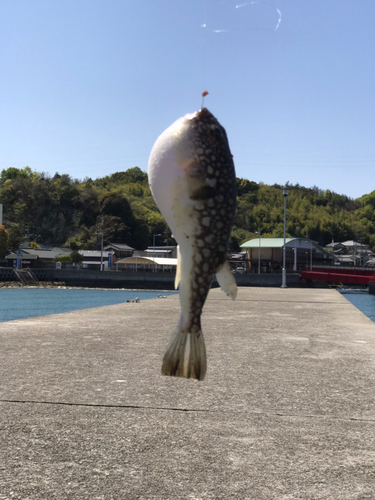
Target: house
{"x": 139, "y": 263}
{"x": 119, "y": 250}
{"x": 299, "y": 253}
{"x": 21, "y": 259}
{"x": 237, "y": 262}
{"x": 166, "y": 251}
{"x": 35, "y": 257}
{"x": 91, "y": 259}
{"x": 337, "y": 248}
{"x": 350, "y": 252}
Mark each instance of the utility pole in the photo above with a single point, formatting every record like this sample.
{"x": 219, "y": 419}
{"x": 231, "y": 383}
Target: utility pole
{"x": 101, "y": 251}
{"x": 153, "y": 250}
{"x": 283, "y": 285}
{"x": 260, "y": 234}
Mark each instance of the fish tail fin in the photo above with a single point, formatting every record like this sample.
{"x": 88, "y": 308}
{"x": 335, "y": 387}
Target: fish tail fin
{"x": 185, "y": 355}
{"x": 226, "y": 280}
{"x": 178, "y": 269}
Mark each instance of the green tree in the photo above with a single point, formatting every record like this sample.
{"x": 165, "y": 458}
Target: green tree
{"x": 116, "y": 205}
{"x": 57, "y": 210}
{"x": 13, "y": 173}
{"x": 64, "y": 259}
{"x": 89, "y": 206}
{"x": 34, "y": 244}
{"x": 75, "y": 257}
{"x": 112, "y": 228}
{"x": 245, "y": 186}
{"x": 4, "y": 238}
{"x": 16, "y": 236}
{"x": 156, "y": 223}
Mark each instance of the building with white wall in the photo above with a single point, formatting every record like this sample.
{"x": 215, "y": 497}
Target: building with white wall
{"x": 299, "y": 253}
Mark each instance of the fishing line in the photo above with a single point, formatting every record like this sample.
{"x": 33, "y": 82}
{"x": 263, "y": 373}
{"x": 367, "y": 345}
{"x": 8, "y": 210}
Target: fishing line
{"x": 230, "y": 17}
{"x": 205, "y": 50}
{"x": 253, "y": 15}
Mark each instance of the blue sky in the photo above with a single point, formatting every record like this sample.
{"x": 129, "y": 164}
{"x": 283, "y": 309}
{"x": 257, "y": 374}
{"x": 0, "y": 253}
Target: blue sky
{"x": 86, "y": 86}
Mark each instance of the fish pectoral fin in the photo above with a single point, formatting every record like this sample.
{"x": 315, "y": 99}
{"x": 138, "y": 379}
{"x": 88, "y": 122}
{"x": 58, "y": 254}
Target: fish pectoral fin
{"x": 226, "y": 280}
{"x": 178, "y": 269}
{"x": 196, "y": 169}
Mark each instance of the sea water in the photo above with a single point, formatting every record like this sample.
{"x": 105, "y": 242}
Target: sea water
{"x": 362, "y": 300}
{"x": 19, "y": 303}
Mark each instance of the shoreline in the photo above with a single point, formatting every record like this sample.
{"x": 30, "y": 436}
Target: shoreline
{"x": 63, "y": 286}
{"x": 17, "y": 284}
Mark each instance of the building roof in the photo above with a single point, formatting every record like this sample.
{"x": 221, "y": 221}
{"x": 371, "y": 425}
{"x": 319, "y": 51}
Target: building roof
{"x": 118, "y": 246}
{"x": 93, "y": 253}
{"x": 165, "y": 247}
{"x": 62, "y": 250}
{"x": 36, "y": 253}
{"x": 160, "y": 261}
{"x": 237, "y": 256}
{"x": 45, "y": 254}
{"x": 157, "y": 250}
{"x": 351, "y": 244}
{"x": 266, "y": 242}
{"x": 279, "y": 243}
{"x": 335, "y": 244}
{"x": 13, "y": 256}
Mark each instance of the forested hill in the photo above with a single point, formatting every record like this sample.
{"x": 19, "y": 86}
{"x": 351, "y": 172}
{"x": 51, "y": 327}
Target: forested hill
{"x": 60, "y": 210}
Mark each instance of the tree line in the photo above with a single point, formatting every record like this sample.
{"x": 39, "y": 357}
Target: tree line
{"x": 58, "y": 210}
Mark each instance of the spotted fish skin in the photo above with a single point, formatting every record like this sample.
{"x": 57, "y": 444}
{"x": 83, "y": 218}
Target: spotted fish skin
{"x": 192, "y": 179}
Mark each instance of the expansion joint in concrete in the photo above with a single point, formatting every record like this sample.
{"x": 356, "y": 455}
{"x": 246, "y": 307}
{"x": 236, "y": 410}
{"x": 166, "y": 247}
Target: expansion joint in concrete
{"x": 190, "y": 410}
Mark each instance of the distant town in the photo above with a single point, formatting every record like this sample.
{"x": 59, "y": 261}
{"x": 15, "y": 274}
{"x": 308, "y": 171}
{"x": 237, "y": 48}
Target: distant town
{"x": 112, "y": 224}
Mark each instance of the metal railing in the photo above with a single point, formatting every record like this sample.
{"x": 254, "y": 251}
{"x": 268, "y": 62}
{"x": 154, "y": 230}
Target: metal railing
{"x": 19, "y": 276}
{"x": 25, "y": 275}
{"x": 32, "y": 276}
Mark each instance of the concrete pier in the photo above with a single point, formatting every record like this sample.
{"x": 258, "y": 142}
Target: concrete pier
{"x": 287, "y": 409}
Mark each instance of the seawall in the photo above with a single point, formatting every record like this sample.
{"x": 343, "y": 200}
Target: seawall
{"x": 141, "y": 280}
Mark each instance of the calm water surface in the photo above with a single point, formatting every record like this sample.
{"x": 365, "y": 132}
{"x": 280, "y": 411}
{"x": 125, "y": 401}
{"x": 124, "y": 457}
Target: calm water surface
{"x": 18, "y": 303}
{"x": 365, "y": 302}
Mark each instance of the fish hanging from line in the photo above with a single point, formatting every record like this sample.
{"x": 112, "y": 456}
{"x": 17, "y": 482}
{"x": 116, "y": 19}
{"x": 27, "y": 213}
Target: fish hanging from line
{"x": 193, "y": 181}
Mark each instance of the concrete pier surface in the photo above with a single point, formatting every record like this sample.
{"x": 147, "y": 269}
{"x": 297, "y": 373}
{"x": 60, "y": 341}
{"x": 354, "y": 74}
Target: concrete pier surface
{"x": 287, "y": 409}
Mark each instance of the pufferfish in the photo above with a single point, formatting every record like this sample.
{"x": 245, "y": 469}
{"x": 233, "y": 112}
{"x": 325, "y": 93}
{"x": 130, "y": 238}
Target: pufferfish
{"x": 193, "y": 181}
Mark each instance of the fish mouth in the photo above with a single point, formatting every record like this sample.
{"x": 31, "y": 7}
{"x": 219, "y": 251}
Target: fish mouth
{"x": 201, "y": 114}
{"x": 204, "y": 112}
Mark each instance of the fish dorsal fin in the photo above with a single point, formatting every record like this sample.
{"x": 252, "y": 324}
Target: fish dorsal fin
{"x": 226, "y": 280}
{"x": 178, "y": 269}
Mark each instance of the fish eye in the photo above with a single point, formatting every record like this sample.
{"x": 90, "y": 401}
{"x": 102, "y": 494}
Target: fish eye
{"x": 214, "y": 133}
